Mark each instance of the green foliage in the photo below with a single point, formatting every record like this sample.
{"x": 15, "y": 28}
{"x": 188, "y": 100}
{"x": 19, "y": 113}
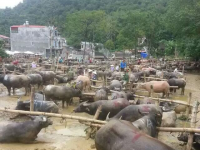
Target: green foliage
{"x": 109, "y": 44}
{"x": 2, "y": 51}
{"x": 116, "y": 23}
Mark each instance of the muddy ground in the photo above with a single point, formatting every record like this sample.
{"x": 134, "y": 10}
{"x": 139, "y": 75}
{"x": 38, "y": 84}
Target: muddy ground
{"x": 70, "y": 135}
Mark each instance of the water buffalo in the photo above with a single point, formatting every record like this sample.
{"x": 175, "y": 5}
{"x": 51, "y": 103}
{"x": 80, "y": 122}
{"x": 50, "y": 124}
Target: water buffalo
{"x": 122, "y": 135}
{"x": 181, "y": 83}
{"x": 115, "y": 85}
{"x": 63, "y": 93}
{"x": 47, "y": 76}
{"x": 122, "y": 94}
{"x": 134, "y": 112}
{"x": 168, "y": 106}
{"x": 103, "y": 74}
{"x": 148, "y": 123}
{"x": 169, "y": 119}
{"x": 15, "y": 81}
{"x": 61, "y": 79}
{"x": 86, "y": 82}
{"x": 10, "y": 67}
{"x": 169, "y": 75}
{"x": 184, "y": 137}
{"x": 25, "y": 132}
{"x": 108, "y": 106}
{"x": 117, "y": 75}
{"x": 35, "y": 79}
{"x": 41, "y": 106}
{"x": 101, "y": 94}
{"x": 158, "y": 87}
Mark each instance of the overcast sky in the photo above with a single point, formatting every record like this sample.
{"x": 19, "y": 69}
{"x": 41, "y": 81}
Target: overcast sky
{"x": 9, "y": 3}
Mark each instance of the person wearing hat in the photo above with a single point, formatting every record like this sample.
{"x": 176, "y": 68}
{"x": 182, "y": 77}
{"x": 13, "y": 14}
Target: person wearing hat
{"x": 90, "y": 73}
{"x": 33, "y": 64}
{"x": 112, "y": 68}
{"x": 94, "y": 76}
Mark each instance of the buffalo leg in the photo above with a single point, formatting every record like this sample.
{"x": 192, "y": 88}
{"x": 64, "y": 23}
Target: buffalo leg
{"x": 182, "y": 91}
{"x": 26, "y": 91}
{"x": 63, "y": 103}
{"x": 13, "y": 90}
{"x": 9, "y": 89}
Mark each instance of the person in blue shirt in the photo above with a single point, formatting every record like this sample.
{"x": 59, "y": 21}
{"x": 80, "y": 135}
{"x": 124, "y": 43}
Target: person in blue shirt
{"x": 123, "y": 65}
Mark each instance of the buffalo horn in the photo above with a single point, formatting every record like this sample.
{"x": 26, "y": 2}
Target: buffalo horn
{"x": 107, "y": 117}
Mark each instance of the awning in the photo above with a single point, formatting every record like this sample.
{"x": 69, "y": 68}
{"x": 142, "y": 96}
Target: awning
{"x": 29, "y": 52}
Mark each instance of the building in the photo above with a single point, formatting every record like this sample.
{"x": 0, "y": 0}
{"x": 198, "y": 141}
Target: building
{"x": 94, "y": 49}
{"x": 38, "y": 39}
{"x": 6, "y": 42}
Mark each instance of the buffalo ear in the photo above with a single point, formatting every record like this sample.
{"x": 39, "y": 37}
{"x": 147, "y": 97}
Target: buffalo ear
{"x": 32, "y": 117}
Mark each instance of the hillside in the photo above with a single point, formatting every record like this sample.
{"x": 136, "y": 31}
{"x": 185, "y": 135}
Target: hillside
{"x": 116, "y": 23}
{"x": 54, "y": 12}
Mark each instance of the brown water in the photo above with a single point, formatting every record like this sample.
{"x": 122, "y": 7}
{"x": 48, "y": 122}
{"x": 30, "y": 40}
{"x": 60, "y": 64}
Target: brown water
{"x": 70, "y": 135}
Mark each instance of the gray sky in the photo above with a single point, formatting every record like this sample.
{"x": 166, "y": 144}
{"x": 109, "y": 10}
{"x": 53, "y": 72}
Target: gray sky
{"x": 9, "y": 3}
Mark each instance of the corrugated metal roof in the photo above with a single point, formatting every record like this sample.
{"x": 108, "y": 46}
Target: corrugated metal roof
{"x": 4, "y": 37}
{"x": 29, "y": 26}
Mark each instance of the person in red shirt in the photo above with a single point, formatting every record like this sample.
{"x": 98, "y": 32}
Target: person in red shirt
{"x": 16, "y": 62}
{"x": 139, "y": 61}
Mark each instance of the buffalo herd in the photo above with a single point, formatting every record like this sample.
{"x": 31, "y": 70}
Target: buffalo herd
{"x": 131, "y": 124}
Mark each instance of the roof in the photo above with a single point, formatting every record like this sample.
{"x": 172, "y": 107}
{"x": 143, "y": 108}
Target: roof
{"x": 122, "y": 54}
{"x": 4, "y": 37}
{"x": 29, "y": 26}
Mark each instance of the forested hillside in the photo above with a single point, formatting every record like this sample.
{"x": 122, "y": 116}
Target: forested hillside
{"x": 116, "y": 23}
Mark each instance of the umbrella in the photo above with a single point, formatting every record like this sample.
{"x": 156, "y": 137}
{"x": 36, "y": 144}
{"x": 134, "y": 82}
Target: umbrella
{"x": 16, "y": 52}
{"x": 9, "y": 53}
{"x": 29, "y": 52}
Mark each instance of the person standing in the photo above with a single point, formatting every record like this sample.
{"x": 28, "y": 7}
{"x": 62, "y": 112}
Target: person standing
{"x": 123, "y": 65}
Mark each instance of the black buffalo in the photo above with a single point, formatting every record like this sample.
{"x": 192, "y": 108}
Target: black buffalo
{"x": 148, "y": 123}
{"x": 135, "y": 112}
{"x": 15, "y": 81}
{"x": 122, "y": 135}
{"x": 25, "y": 132}
{"x": 108, "y": 106}
{"x": 41, "y": 106}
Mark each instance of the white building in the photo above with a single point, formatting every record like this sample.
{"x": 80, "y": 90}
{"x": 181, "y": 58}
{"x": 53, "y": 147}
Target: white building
{"x": 37, "y": 39}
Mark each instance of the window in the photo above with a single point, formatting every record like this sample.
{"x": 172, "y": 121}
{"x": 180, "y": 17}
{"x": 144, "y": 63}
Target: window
{"x": 14, "y": 29}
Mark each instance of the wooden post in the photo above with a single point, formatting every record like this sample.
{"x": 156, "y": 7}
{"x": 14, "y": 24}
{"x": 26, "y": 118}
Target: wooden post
{"x": 28, "y": 68}
{"x": 106, "y": 80}
{"x": 32, "y": 99}
{"x": 92, "y": 129}
{"x": 144, "y": 77}
{"x": 158, "y": 102}
{"x": 151, "y": 94}
{"x": 188, "y": 108}
{"x": 4, "y": 70}
{"x": 183, "y": 69}
{"x": 192, "y": 125}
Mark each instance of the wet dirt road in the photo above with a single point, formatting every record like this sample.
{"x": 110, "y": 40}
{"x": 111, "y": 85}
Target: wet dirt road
{"x": 70, "y": 135}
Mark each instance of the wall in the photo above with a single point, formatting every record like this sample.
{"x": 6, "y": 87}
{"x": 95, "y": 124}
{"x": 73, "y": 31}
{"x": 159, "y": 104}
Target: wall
{"x": 31, "y": 39}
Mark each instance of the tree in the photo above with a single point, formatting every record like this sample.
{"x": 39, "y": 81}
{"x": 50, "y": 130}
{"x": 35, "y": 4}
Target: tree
{"x": 2, "y": 51}
{"x": 86, "y": 25}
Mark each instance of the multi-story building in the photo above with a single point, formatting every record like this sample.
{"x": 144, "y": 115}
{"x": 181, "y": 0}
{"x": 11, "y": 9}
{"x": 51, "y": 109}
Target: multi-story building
{"x": 96, "y": 50}
{"x": 41, "y": 40}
